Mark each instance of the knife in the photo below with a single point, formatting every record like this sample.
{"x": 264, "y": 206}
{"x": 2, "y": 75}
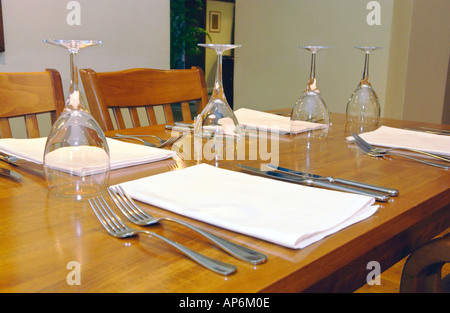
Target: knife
{"x": 10, "y": 173}
{"x": 189, "y": 125}
{"x": 315, "y": 183}
{"x": 179, "y": 128}
{"x": 25, "y": 164}
{"x": 435, "y": 131}
{"x": 390, "y": 191}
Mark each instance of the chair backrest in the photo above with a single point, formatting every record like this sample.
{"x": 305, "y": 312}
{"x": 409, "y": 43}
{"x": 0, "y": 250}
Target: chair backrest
{"x": 145, "y": 88}
{"x": 27, "y": 95}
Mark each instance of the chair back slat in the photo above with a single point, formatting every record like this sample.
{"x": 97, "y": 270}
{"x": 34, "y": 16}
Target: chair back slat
{"x": 26, "y": 95}
{"x": 185, "y": 111}
{"x": 5, "y": 128}
{"x": 134, "y": 116}
{"x": 32, "y": 126}
{"x": 151, "y": 116}
{"x": 135, "y": 88}
{"x": 119, "y": 118}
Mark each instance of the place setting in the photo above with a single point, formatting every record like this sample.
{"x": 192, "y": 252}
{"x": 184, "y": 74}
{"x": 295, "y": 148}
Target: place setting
{"x": 76, "y": 157}
{"x": 363, "y": 115}
{"x": 308, "y": 207}
{"x": 422, "y": 147}
{"x": 76, "y": 160}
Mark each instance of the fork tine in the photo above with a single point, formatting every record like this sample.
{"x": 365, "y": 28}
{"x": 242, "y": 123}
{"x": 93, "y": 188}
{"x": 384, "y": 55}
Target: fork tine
{"x": 104, "y": 220}
{"x": 171, "y": 140}
{"x": 119, "y": 190}
{"x": 100, "y": 217}
{"x": 109, "y": 216}
{"x": 362, "y": 141}
{"x": 126, "y": 205}
{"x": 358, "y": 141}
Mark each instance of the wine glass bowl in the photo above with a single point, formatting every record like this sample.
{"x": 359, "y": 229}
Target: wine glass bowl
{"x": 310, "y": 106}
{"x": 363, "y": 107}
{"x": 76, "y": 154}
{"x": 217, "y": 117}
{"x": 217, "y": 122}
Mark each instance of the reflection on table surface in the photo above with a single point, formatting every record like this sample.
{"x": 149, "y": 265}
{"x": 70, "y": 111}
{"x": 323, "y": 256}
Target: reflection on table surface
{"x": 45, "y": 239}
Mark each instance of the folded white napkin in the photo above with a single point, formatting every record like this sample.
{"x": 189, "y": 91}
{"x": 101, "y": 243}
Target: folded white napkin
{"x": 396, "y": 137}
{"x": 253, "y": 119}
{"x": 287, "y": 214}
{"x": 122, "y": 154}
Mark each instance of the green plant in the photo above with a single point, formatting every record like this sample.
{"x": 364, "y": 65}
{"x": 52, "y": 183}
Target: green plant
{"x": 185, "y": 33}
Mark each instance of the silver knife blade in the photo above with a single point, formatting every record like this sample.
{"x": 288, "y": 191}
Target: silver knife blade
{"x": 25, "y": 164}
{"x": 430, "y": 131}
{"x": 315, "y": 183}
{"x": 390, "y": 191}
{"x": 10, "y": 173}
{"x": 189, "y": 125}
{"x": 179, "y": 128}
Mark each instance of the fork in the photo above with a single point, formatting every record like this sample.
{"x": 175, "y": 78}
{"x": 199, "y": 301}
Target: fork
{"x": 116, "y": 228}
{"x": 139, "y": 217}
{"x": 163, "y": 143}
{"x": 376, "y": 152}
{"x": 384, "y": 151}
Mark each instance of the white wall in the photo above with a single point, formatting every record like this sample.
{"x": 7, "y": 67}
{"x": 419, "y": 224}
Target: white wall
{"x": 428, "y": 59}
{"x": 271, "y": 71}
{"x": 135, "y": 33}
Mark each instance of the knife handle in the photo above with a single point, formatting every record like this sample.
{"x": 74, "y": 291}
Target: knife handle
{"x": 378, "y": 196}
{"x": 389, "y": 191}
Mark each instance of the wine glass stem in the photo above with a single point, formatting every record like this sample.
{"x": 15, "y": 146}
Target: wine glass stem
{"x": 312, "y": 86}
{"x": 365, "y": 78}
{"x": 73, "y": 88}
{"x": 218, "y": 92}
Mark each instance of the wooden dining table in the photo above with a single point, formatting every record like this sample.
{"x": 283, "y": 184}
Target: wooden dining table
{"x": 49, "y": 244}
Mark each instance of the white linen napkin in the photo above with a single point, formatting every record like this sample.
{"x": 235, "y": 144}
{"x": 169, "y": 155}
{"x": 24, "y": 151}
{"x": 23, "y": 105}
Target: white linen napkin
{"x": 396, "y": 137}
{"x": 287, "y": 214}
{"x": 122, "y": 154}
{"x": 253, "y": 119}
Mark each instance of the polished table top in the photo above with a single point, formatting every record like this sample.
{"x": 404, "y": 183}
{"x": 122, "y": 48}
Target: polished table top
{"x": 42, "y": 235}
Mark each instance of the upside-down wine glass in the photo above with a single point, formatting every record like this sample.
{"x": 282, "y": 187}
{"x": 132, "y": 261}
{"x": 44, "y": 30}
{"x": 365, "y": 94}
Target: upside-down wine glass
{"x": 363, "y": 108}
{"x": 217, "y": 121}
{"x": 76, "y": 156}
{"x": 310, "y": 107}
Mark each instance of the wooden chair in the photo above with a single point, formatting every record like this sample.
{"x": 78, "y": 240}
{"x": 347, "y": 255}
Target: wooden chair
{"x": 27, "y": 95}
{"x": 422, "y": 270}
{"x": 140, "y": 87}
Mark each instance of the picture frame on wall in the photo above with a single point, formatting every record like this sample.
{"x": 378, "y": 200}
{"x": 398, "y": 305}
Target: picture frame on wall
{"x": 214, "y": 21}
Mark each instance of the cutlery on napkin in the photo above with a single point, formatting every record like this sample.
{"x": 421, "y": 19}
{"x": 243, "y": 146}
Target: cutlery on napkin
{"x": 314, "y": 182}
{"x": 386, "y": 136}
{"x": 122, "y": 154}
{"x": 290, "y": 215}
{"x": 263, "y": 121}
{"x": 389, "y": 191}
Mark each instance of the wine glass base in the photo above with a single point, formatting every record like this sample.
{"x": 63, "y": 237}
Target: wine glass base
{"x": 77, "y": 190}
